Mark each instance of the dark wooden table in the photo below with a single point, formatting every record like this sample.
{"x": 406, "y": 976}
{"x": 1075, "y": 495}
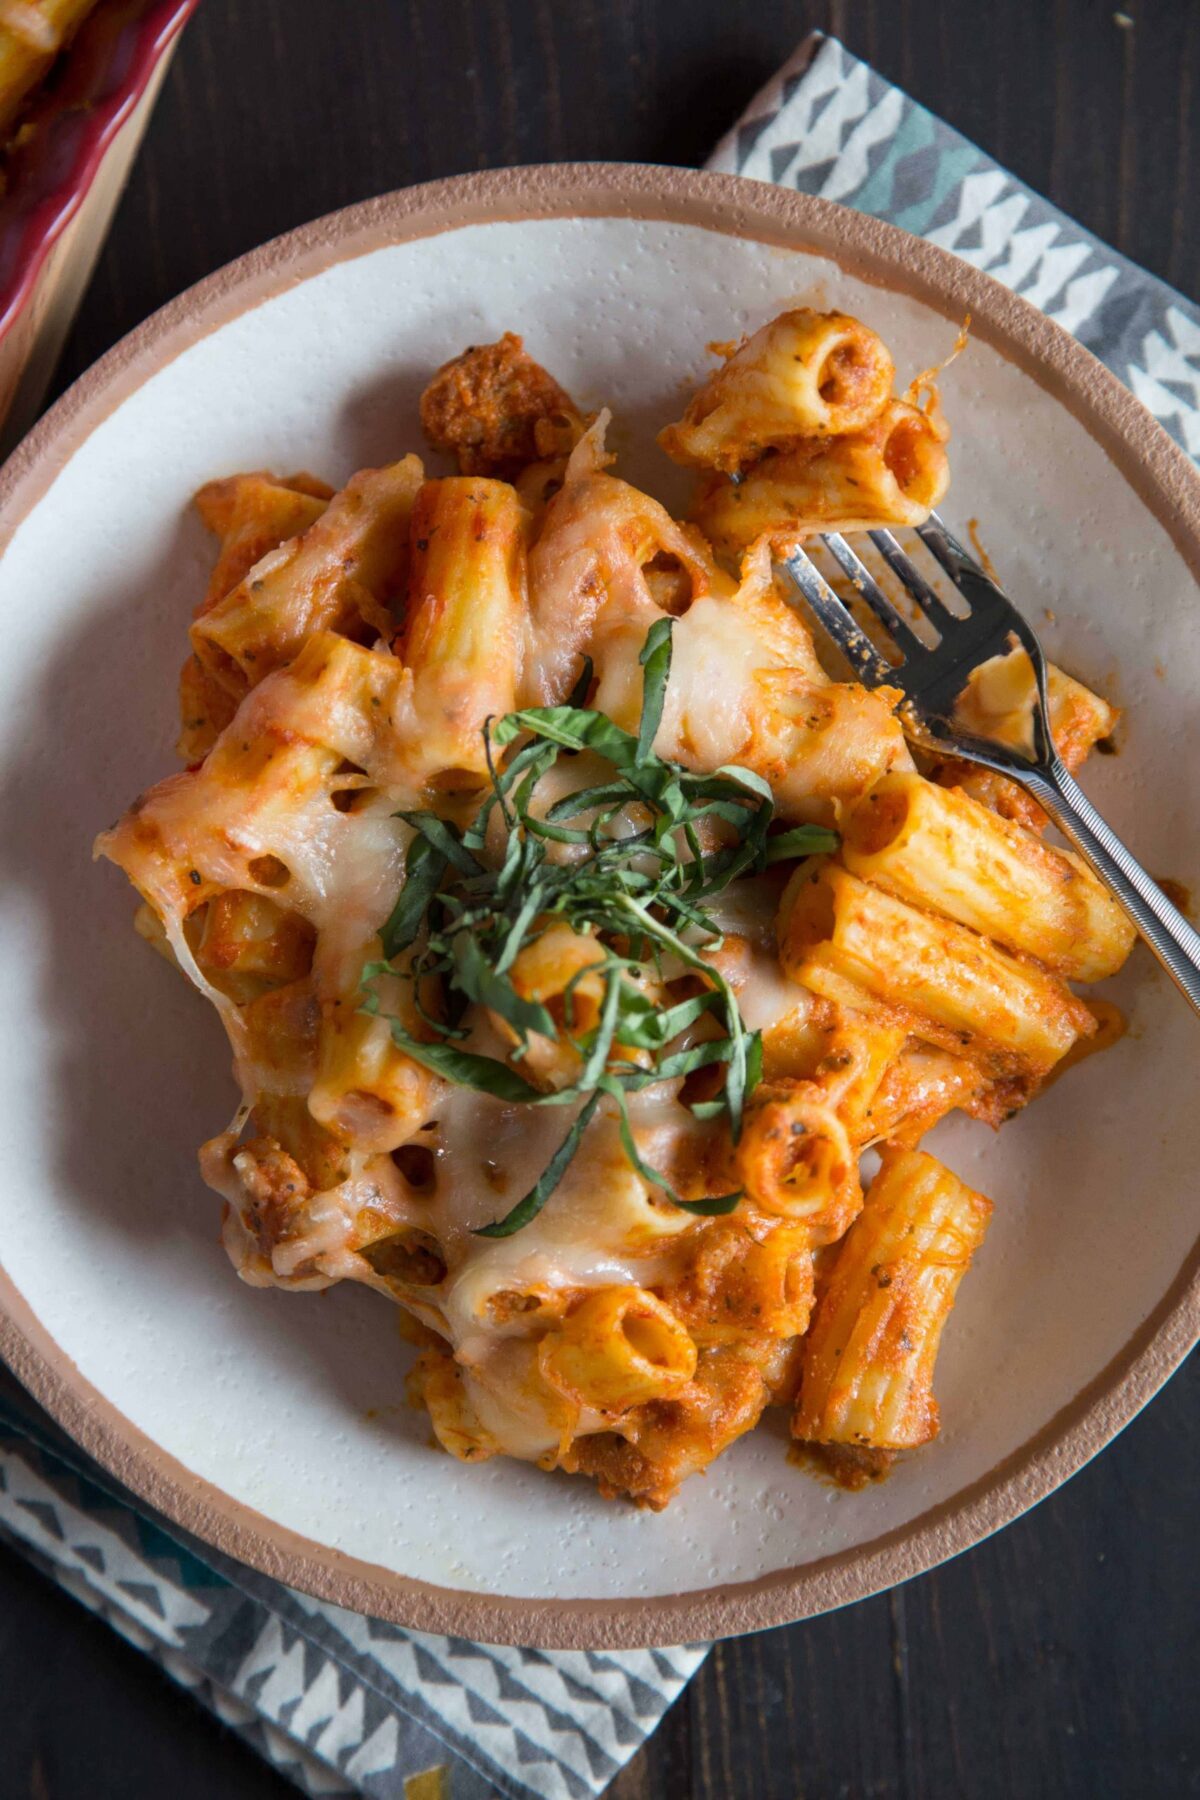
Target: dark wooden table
{"x": 1059, "y": 1659}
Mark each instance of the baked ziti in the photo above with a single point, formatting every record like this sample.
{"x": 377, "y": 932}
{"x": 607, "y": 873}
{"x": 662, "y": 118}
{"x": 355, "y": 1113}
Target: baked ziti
{"x": 578, "y": 930}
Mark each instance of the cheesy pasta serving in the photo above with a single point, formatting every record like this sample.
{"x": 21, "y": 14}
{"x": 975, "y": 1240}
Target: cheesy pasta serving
{"x": 577, "y": 930}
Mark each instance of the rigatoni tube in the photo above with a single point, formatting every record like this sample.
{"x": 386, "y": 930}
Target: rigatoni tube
{"x": 795, "y": 1159}
{"x": 870, "y": 1352}
{"x": 338, "y": 575}
{"x": 891, "y": 473}
{"x": 251, "y": 515}
{"x": 248, "y": 945}
{"x": 998, "y": 703}
{"x": 467, "y": 607}
{"x": 367, "y": 1090}
{"x": 854, "y": 943}
{"x": 806, "y": 374}
{"x": 920, "y": 1087}
{"x": 738, "y": 1286}
{"x": 620, "y": 1347}
{"x": 938, "y": 848}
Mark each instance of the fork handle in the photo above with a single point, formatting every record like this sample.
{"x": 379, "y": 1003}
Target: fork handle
{"x": 1174, "y": 942}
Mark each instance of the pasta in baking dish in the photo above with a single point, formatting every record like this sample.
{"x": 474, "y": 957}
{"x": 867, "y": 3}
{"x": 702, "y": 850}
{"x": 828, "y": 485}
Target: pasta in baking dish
{"x": 33, "y": 33}
{"x": 578, "y": 932}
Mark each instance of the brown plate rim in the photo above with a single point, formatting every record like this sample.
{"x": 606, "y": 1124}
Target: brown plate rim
{"x": 1146, "y": 458}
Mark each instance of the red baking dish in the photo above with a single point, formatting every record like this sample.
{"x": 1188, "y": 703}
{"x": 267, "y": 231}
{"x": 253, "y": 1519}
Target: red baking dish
{"x": 65, "y": 173}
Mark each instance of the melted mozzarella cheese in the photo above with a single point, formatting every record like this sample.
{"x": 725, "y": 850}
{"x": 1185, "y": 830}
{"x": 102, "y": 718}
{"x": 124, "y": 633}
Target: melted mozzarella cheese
{"x": 601, "y": 1226}
{"x": 299, "y": 800}
{"x": 749, "y": 958}
{"x": 713, "y": 692}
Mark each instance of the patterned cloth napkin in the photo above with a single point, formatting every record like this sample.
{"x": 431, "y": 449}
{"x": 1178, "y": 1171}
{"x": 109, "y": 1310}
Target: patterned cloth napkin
{"x": 348, "y": 1705}
{"x": 827, "y": 124}
{"x": 340, "y": 1703}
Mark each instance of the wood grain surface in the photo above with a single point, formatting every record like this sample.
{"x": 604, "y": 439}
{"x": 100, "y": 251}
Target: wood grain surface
{"x": 1059, "y": 1659}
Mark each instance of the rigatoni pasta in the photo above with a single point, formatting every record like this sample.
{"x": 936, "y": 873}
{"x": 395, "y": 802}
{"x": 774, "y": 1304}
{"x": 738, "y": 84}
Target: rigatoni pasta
{"x": 938, "y": 848}
{"x": 577, "y": 934}
{"x": 998, "y": 702}
{"x": 795, "y": 1159}
{"x": 250, "y": 515}
{"x": 805, "y": 375}
{"x": 338, "y": 575}
{"x": 892, "y": 472}
{"x": 870, "y": 1352}
{"x": 365, "y": 1089}
{"x": 466, "y": 616}
{"x": 618, "y": 1348}
{"x": 858, "y": 945}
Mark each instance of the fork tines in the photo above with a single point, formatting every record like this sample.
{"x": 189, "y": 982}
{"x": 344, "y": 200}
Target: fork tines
{"x": 868, "y": 663}
{"x": 933, "y": 674}
{"x": 864, "y": 583}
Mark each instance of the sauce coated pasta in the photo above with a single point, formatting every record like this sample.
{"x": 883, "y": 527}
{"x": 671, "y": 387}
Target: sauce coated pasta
{"x": 580, "y": 935}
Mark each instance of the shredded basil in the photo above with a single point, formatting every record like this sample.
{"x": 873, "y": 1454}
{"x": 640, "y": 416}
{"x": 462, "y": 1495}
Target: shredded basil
{"x": 473, "y": 899}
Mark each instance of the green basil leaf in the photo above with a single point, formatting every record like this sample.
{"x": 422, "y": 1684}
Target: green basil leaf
{"x": 372, "y": 971}
{"x": 655, "y": 658}
{"x": 423, "y": 872}
{"x": 754, "y": 1061}
{"x": 573, "y": 728}
{"x": 803, "y": 840}
{"x": 517, "y": 930}
{"x": 528, "y": 1208}
{"x": 747, "y": 778}
{"x": 657, "y": 1026}
{"x": 745, "y": 1073}
{"x": 629, "y": 1144}
{"x": 466, "y": 1068}
{"x": 707, "y": 1109}
{"x": 443, "y": 837}
{"x": 736, "y": 1076}
{"x": 713, "y": 1208}
{"x": 684, "y": 1062}
{"x": 475, "y": 836}
{"x": 544, "y": 758}
{"x": 478, "y": 979}
{"x": 579, "y": 693}
{"x": 585, "y": 799}
{"x": 557, "y": 834}
{"x": 635, "y": 1018}
{"x": 597, "y": 1057}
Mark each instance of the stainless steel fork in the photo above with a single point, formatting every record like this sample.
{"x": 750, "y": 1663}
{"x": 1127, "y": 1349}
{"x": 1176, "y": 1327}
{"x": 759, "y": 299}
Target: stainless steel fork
{"x": 932, "y": 680}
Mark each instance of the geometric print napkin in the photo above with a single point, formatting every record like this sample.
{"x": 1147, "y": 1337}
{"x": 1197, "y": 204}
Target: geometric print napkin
{"x": 341, "y": 1703}
{"x": 347, "y": 1705}
{"x": 828, "y": 125}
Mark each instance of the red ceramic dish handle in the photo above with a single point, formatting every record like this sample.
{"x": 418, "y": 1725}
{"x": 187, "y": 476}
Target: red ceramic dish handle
{"x": 48, "y": 190}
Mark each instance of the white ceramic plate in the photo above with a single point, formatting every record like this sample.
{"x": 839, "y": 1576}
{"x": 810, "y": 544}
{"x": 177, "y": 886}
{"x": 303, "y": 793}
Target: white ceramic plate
{"x": 276, "y": 1424}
